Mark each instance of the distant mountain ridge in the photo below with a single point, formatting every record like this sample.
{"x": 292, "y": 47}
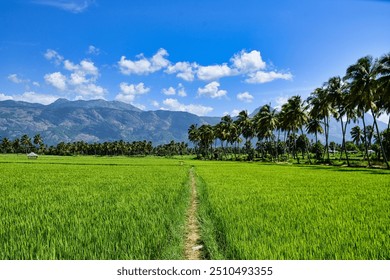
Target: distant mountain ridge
{"x": 101, "y": 120}
{"x": 94, "y": 121}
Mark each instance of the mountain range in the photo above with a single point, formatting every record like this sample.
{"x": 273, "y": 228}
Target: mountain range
{"x": 94, "y": 121}
{"x": 100, "y": 121}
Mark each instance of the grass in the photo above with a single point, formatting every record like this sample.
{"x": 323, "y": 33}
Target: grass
{"x": 92, "y": 208}
{"x": 134, "y": 208}
{"x": 259, "y": 211}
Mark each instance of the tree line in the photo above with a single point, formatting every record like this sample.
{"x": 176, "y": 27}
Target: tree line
{"x": 25, "y": 144}
{"x": 280, "y": 134}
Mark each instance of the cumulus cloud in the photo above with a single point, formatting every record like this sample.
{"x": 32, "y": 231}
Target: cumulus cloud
{"x": 175, "y": 105}
{"x": 143, "y": 65}
{"x": 81, "y": 80}
{"x": 245, "y": 97}
{"x": 180, "y": 90}
{"x": 73, "y": 6}
{"x": 34, "y": 97}
{"x": 248, "y": 62}
{"x": 5, "y": 97}
{"x": 184, "y": 70}
{"x": 169, "y": 91}
{"x": 235, "y": 112}
{"x": 57, "y": 80}
{"x": 54, "y": 56}
{"x": 212, "y": 90}
{"x": 155, "y": 103}
{"x": 214, "y": 72}
{"x": 15, "y": 79}
{"x": 93, "y": 50}
{"x": 261, "y": 77}
{"x": 91, "y": 91}
{"x": 129, "y": 92}
{"x": 280, "y": 100}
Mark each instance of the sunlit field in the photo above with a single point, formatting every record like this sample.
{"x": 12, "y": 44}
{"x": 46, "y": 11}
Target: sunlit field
{"x": 92, "y": 208}
{"x": 258, "y": 211}
{"x": 135, "y": 208}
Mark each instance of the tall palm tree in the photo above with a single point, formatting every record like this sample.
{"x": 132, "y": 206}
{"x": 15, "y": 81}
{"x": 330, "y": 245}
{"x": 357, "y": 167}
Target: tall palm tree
{"x": 356, "y": 134}
{"x": 265, "y": 123}
{"x": 194, "y": 137}
{"x": 246, "y": 126}
{"x": 314, "y": 127}
{"x": 384, "y": 84}
{"x": 321, "y": 108}
{"x": 206, "y": 135}
{"x": 337, "y": 95}
{"x": 364, "y": 88}
{"x": 297, "y": 115}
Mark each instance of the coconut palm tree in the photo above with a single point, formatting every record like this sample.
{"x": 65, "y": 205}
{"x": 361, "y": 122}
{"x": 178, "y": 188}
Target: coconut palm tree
{"x": 194, "y": 137}
{"x": 246, "y": 126}
{"x": 296, "y": 113}
{"x": 321, "y": 108}
{"x": 265, "y": 123}
{"x": 356, "y": 134}
{"x": 364, "y": 85}
{"x": 384, "y": 84}
{"x": 314, "y": 127}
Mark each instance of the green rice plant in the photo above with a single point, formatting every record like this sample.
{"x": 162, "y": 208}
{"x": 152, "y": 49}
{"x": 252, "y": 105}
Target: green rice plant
{"x": 92, "y": 208}
{"x": 259, "y": 211}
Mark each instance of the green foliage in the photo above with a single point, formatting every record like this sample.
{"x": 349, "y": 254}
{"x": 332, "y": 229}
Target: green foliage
{"x": 278, "y": 212}
{"x": 92, "y": 208}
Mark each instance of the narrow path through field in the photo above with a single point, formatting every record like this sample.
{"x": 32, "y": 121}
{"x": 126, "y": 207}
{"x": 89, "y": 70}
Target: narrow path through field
{"x": 193, "y": 248}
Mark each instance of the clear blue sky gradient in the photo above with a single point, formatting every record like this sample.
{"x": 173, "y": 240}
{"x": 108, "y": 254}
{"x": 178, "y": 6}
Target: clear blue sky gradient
{"x": 306, "y": 41}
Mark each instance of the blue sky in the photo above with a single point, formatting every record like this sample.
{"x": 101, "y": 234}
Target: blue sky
{"x": 205, "y": 57}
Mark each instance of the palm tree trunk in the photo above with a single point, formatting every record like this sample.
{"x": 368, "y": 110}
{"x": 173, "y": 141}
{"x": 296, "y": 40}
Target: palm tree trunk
{"x": 380, "y": 140}
{"x": 365, "y": 142}
{"x": 327, "y": 137}
{"x": 345, "y": 146}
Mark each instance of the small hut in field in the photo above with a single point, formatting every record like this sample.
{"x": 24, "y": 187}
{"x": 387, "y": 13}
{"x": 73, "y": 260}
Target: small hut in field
{"x": 32, "y": 155}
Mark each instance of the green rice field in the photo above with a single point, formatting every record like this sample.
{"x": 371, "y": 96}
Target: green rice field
{"x": 92, "y": 208}
{"x": 253, "y": 211}
{"x": 135, "y": 208}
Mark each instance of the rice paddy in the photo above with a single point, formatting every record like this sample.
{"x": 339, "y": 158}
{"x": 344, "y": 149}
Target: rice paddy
{"x": 135, "y": 208}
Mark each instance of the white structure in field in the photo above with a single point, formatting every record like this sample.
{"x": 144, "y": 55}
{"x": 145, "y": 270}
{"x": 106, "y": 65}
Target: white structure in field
{"x": 32, "y": 155}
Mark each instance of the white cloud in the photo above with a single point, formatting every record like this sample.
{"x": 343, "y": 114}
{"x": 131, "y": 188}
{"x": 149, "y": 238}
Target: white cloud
{"x": 81, "y": 80}
{"x": 144, "y": 66}
{"x": 248, "y": 62}
{"x": 169, "y": 91}
{"x": 134, "y": 89}
{"x": 93, "y": 50}
{"x": 235, "y": 112}
{"x": 90, "y": 91}
{"x": 175, "y": 105}
{"x": 212, "y": 90}
{"x": 36, "y": 84}
{"x": 261, "y": 77}
{"x": 73, "y": 6}
{"x": 280, "y": 100}
{"x": 52, "y": 55}
{"x": 184, "y": 70}
{"x": 77, "y": 79}
{"x": 129, "y": 92}
{"x": 34, "y": 97}
{"x": 57, "y": 80}
{"x": 155, "y": 103}
{"x": 215, "y": 72}
{"x": 15, "y": 79}
{"x": 180, "y": 90}
{"x": 5, "y": 97}
{"x": 245, "y": 97}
